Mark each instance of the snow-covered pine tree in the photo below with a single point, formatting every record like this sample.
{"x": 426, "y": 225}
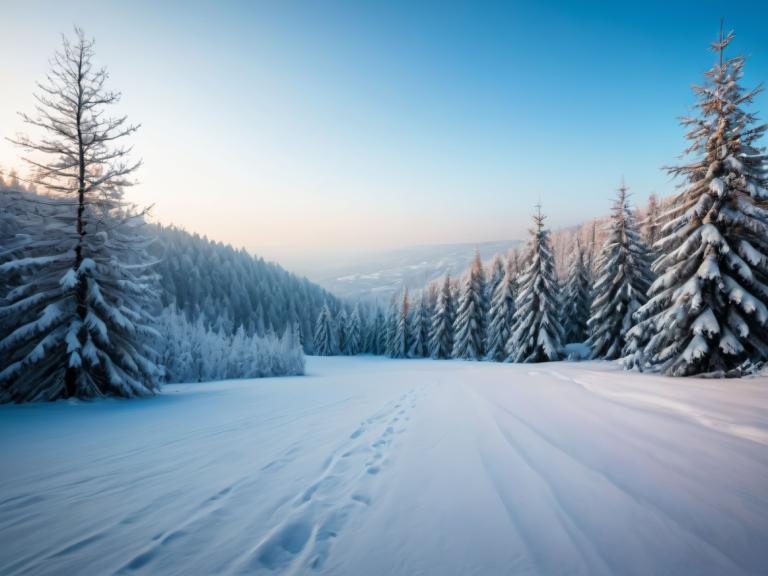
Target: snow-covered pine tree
{"x": 298, "y": 334}
{"x": 471, "y": 315}
{"x": 652, "y": 222}
{"x": 193, "y": 352}
{"x": 377, "y": 334}
{"x": 420, "y": 328}
{"x": 623, "y": 279}
{"x": 441, "y": 330}
{"x": 365, "y": 328}
{"x": 353, "y": 341}
{"x": 513, "y": 258}
{"x": 325, "y": 333}
{"x": 708, "y": 309}
{"x": 82, "y": 321}
{"x": 402, "y": 341}
{"x": 537, "y": 333}
{"x": 496, "y": 273}
{"x": 342, "y": 329}
{"x": 501, "y": 314}
{"x": 393, "y": 316}
{"x": 577, "y": 297}
{"x": 592, "y": 254}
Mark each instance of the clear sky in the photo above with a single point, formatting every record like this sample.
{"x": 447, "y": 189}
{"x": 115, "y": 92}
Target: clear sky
{"x": 323, "y": 125}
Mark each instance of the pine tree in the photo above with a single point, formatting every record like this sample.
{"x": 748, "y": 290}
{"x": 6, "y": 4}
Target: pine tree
{"x": 402, "y": 341}
{"x": 81, "y": 324}
{"x": 514, "y": 261}
{"x": 652, "y": 222}
{"x": 470, "y": 321}
{"x": 709, "y": 307}
{"x": 537, "y": 332}
{"x": 354, "y": 337}
{"x": 496, "y": 274}
{"x": 325, "y": 334}
{"x": 592, "y": 254}
{"x": 577, "y": 297}
{"x": 364, "y": 328}
{"x": 622, "y": 282}
{"x": 342, "y": 329}
{"x": 420, "y": 328}
{"x": 441, "y": 330}
{"x": 377, "y": 336}
{"x": 501, "y": 314}
{"x": 297, "y": 334}
{"x": 393, "y": 316}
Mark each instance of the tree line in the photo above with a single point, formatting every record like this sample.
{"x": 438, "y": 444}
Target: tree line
{"x": 685, "y": 292}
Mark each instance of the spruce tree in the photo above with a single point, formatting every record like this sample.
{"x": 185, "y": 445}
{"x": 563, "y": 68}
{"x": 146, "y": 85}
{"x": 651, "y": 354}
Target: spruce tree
{"x": 592, "y": 254}
{"x": 470, "y": 321}
{"x": 622, "y": 282}
{"x": 577, "y": 297}
{"x": 325, "y": 334}
{"x": 342, "y": 329}
{"x": 378, "y": 338}
{"x": 420, "y": 328}
{"x": 496, "y": 273}
{"x": 81, "y": 321}
{"x": 402, "y": 341}
{"x": 391, "y": 328}
{"x": 709, "y": 307}
{"x": 441, "y": 330}
{"x": 537, "y": 333}
{"x": 652, "y": 222}
{"x": 298, "y": 335}
{"x": 501, "y": 314}
{"x": 354, "y": 337}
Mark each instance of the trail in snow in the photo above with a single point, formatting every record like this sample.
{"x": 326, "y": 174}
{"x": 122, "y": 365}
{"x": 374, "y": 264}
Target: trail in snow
{"x": 373, "y": 466}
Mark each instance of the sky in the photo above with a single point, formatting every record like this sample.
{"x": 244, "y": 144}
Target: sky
{"x": 317, "y": 127}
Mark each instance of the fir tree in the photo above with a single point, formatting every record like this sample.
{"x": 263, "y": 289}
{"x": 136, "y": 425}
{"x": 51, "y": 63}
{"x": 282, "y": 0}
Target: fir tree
{"x": 652, "y": 222}
{"x": 391, "y": 328}
{"x": 470, "y": 321}
{"x": 592, "y": 254}
{"x": 501, "y": 314}
{"x": 325, "y": 335}
{"x": 354, "y": 336}
{"x": 577, "y": 297}
{"x": 622, "y": 282}
{"x": 298, "y": 335}
{"x": 402, "y": 341}
{"x": 496, "y": 274}
{"x": 420, "y": 328}
{"x": 537, "y": 332}
{"x": 441, "y": 330}
{"x": 708, "y": 308}
{"x": 81, "y": 322}
{"x": 342, "y": 329}
{"x": 364, "y": 328}
{"x": 378, "y": 334}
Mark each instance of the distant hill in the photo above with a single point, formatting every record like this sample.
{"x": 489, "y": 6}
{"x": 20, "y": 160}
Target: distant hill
{"x": 376, "y": 276}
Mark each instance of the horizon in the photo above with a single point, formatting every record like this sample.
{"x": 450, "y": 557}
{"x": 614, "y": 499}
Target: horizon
{"x": 354, "y": 129}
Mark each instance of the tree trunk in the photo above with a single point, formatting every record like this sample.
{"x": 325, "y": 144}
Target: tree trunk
{"x": 80, "y": 288}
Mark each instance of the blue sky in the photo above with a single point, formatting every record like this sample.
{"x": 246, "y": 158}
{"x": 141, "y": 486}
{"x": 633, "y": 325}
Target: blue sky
{"x": 328, "y": 125}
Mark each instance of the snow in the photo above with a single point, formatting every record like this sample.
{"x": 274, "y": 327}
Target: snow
{"x": 373, "y": 466}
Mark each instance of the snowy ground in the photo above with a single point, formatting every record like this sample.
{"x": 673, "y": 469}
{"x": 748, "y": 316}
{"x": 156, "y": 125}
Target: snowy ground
{"x": 372, "y": 466}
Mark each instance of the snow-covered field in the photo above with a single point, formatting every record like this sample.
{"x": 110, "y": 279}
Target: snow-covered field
{"x": 370, "y": 466}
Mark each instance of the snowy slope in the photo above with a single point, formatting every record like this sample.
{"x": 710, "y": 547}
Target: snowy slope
{"x": 372, "y": 466}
